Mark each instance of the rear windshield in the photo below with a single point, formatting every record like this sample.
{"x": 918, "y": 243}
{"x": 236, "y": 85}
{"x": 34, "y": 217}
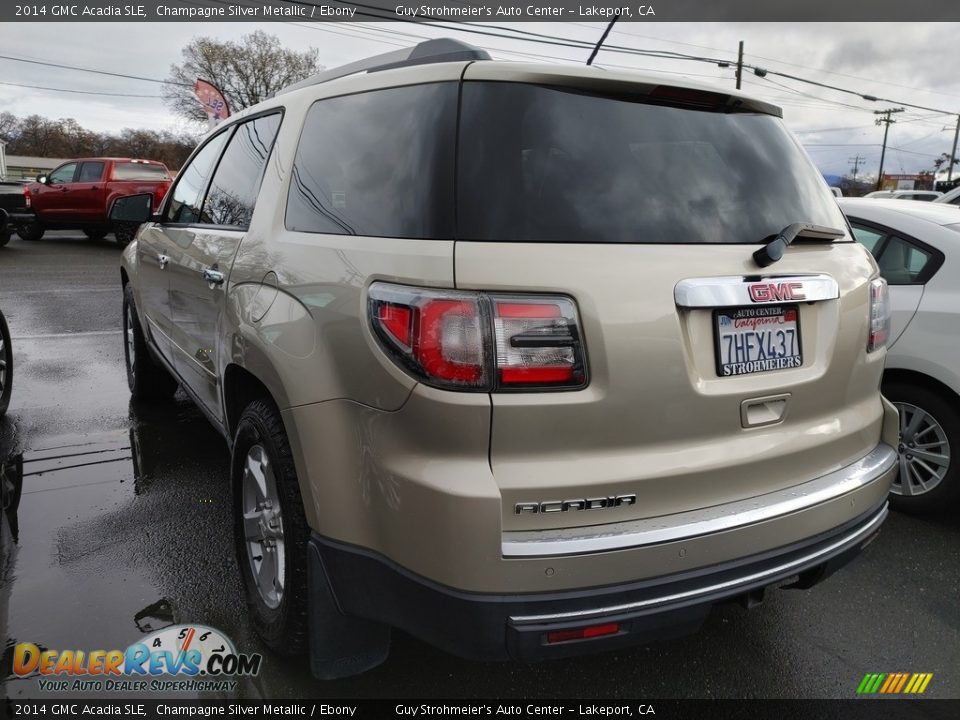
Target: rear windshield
{"x": 542, "y": 164}
{"x": 139, "y": 171}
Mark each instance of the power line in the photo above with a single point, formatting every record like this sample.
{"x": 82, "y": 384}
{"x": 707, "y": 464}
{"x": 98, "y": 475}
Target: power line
{"x": 91, "y": 70}
{"x": 81, "y": 92}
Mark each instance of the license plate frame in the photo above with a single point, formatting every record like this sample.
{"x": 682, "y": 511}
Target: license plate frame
{"x": 790, "y": 362}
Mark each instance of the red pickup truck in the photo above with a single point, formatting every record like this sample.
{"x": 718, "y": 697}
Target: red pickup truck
{"x": 78, "y": 196}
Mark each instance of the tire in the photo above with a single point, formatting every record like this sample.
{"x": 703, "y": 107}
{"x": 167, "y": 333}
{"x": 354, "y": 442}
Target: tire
{"x": 98, "y": 234}
{"x": 932, "y": 419}
{"x": 31, "y": 232}
{"x": 5, "y": 236}
{"x": 124, "y": 233}
{"x": 262, "y": 459}
{"x": 6, "y": 365}
{"x": 147, "y": 379}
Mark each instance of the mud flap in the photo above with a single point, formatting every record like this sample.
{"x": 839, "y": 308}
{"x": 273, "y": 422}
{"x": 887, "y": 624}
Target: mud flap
{"x": 340, "y": 645}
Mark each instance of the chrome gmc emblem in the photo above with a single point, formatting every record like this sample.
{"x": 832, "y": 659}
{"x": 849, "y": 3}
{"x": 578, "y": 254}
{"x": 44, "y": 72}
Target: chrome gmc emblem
{"x": 598, "y": 503}
{"x": 776, "y": 292}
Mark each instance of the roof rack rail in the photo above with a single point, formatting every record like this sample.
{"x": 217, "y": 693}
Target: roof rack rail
{"x": 428, "y": 52}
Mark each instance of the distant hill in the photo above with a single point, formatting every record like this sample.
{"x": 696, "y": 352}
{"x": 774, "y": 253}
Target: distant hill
{"x": 833, "y": 180}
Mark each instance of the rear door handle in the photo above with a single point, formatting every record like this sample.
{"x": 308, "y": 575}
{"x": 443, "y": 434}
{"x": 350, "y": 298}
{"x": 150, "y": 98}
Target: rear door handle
{"x": 214, "y": 277}
{"x": 163, "y": 260}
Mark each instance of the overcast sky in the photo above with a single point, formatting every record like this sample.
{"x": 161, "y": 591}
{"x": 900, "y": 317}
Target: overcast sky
{"x": 907, "y": 62}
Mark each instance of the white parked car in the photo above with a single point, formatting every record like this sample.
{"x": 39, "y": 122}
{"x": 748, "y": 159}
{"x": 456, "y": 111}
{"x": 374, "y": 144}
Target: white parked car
{"x": 922, "y": 195}
{"x": 917, "y": 246}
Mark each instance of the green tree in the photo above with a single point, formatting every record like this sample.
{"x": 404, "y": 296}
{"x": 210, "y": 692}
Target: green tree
{"x": 246, "y": 72}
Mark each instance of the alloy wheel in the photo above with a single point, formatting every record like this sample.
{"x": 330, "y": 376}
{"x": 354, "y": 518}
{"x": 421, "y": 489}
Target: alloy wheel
{"x": 128, "y": 333}
{"x": 924, "y": 451}
{"x": 3, "y": 364}
{"x": 263, "y": 526}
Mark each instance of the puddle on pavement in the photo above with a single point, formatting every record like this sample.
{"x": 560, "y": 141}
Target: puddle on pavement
{"x": 109, "y": 536}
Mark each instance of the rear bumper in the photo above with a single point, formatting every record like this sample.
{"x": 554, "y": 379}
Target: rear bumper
{"x": 499, "y": 626}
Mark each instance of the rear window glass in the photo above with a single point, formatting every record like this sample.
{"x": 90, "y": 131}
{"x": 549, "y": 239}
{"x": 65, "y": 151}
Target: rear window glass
{"x": 547, "y": 164}
{"x": 139, "y": 171}
{"x": 377, "y": 163}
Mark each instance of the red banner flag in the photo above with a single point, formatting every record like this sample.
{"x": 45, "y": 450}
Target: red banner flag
{"x": 212, "y": 100}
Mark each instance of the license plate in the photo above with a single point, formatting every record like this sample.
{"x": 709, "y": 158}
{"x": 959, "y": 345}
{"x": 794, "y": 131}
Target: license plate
{"x": 757, "y": 339}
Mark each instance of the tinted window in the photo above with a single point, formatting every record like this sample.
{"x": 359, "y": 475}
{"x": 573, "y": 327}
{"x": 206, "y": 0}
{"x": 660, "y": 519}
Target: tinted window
{"x": 188, "y": 192}
{"x": 548, "y": 164}
{"x": 901, "y": 262}
{"x": 233, "y": 191}
{"x": 90, "y": 172}
{"x": 377, "y": 163}
{"x": 63, "y": 174}
{"x": 138, "y": 171}
{"x": 867, "y": 237}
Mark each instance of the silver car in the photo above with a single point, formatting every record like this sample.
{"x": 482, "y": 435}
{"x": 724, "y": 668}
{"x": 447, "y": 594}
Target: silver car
{"x": 497, "y": 370}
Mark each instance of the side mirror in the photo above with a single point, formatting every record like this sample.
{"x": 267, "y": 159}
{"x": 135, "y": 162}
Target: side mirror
{"x": 42, "y": 179}
{"x": 132, "y": 209}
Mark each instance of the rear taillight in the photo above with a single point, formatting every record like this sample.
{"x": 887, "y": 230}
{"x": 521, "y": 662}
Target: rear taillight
{"x": 879, "y": 315}
{"x": 27, "y": 197}
{"x": 480, "y": 341}
{"x": 158, "y": 194}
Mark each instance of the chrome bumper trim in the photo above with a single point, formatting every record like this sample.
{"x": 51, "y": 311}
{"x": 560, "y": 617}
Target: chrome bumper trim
{"x": 706, "y": 521}
{"x": 734, "y": 290}
{"x": 729, "y": 587}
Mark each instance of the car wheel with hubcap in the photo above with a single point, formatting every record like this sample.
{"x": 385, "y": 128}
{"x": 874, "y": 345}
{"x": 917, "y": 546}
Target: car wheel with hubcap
{"x": 929, "y": 435}
{"x": 147, "y": 379}
{"x": 271, "y": 531}
{"x": 6, "y": 365}
{"x": 31, "y": 232}
{"x": 124, "y": 233}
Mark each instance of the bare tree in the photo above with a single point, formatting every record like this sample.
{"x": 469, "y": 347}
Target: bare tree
{"x": 246, "y": 72}
{"x": 36, "y": 135}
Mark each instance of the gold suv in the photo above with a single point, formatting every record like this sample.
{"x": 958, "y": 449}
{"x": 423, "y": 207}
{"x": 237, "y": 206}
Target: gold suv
{"x": 524, "y": 360}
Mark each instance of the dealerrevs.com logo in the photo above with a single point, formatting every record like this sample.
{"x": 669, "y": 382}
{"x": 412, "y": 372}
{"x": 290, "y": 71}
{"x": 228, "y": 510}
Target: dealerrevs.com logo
{"x": 178, "y": 658}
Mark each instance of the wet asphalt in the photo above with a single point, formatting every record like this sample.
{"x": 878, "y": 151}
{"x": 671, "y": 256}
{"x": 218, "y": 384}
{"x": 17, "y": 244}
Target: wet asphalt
{"x": 123, "y": 527}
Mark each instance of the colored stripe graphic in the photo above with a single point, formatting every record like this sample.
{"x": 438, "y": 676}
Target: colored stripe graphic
{"x": 894, "y": 683}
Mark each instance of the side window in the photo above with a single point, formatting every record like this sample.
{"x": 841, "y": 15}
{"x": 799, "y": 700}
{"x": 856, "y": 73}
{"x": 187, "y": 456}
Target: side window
{"x": 187, "y": 195}
{"x": 902, "y": 262}
{"x": 90, "y": 172}
{"x": 236, "y": 182}
{"x": 867, "y": 237}
{"x": 378, "y": 163}
{"x": 63, "y": 174}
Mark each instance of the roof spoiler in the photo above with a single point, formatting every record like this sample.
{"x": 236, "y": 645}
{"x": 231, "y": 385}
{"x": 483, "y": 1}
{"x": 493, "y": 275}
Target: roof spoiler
{"x": 428, "y": 52}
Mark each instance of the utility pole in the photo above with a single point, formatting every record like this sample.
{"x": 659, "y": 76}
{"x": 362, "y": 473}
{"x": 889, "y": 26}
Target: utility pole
{"x": 856, "y": 160}
{"x": 886, "y": 122}
{"x": 740, "y": 65}
{"x": 953, "y": 153}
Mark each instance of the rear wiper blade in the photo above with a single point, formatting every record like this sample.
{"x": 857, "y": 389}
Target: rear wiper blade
{"x": 773, "y": 250}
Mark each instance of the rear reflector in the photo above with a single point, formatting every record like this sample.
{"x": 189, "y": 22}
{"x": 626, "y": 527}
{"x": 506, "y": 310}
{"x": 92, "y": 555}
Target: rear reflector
{"x": 475, "y": 341}
{"x": 584, "y": 633}
{"x": 879, "y": 315}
